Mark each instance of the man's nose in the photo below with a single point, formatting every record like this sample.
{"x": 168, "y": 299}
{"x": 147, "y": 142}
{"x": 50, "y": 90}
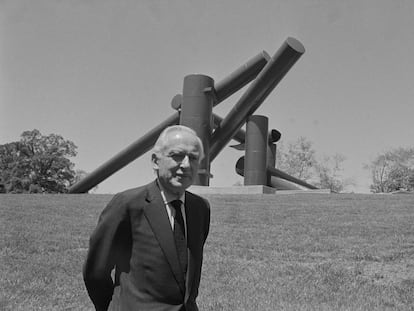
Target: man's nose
{"x": 185, "y": 162}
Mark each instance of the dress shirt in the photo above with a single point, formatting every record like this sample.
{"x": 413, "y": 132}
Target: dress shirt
{"x": 167, "y": 198}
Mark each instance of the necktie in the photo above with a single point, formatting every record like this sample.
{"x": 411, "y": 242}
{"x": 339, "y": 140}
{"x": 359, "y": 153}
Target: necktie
{"x": 179, "y": 235}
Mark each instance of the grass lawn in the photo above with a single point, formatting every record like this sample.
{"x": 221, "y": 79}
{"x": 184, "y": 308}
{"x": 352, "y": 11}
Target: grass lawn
{"x": 264, "y": 252}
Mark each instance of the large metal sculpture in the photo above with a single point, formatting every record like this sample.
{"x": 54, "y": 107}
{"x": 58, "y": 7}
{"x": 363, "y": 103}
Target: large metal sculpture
{"x": 194, "y": 109}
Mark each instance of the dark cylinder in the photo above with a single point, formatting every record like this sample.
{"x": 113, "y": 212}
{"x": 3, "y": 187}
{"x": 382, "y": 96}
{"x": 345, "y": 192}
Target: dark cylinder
{"x": 130, "y": 153}
{"x": 271, "y": 160}
{"x": 259, "y": 89}
{"x": 278, "y": 173}
{"x": 196, "y": 110}
{"x": 233, "y": 82}
{"x": 255, "y": 154}
{"x": 283, "y": 184}
{"x": 274, "y": 136}
{"x": 278, "y": 178}
{"x": 240, "y": 135}
{"x": 241, "y": 76}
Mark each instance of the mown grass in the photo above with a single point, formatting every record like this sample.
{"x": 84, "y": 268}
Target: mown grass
{"x": 264, "y": 252}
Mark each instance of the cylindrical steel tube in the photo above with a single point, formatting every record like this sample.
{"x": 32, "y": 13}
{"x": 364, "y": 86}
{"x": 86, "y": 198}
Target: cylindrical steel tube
{"x": 283, "y": 184}
{"x": 196, "y": 110}
{"x": 256, "y": 150}
{"x": 239, "y": 136}
{"x": 257, "y": 92}
{"x": 279, "y": 175}
{"x": 127, "y": 155}
{"x": 241, "y": 76}
{"x": 271, "y": 160}
{"x": 234, "y": 81}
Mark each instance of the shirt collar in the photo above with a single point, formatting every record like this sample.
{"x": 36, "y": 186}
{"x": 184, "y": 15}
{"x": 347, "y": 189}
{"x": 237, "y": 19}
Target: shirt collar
{"x": 168, "y": 197}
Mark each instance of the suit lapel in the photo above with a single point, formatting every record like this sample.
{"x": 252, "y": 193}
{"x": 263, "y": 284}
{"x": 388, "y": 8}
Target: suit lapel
{"x": 193, "y": 239}
{"x": 157, "y": 217}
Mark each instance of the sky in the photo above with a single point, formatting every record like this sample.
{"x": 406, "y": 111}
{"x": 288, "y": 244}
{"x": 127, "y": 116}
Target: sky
{"x": 103, "y": 73}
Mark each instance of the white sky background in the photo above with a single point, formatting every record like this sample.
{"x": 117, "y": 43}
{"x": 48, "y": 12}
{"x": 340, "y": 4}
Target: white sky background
{"x": 103, "y": 73}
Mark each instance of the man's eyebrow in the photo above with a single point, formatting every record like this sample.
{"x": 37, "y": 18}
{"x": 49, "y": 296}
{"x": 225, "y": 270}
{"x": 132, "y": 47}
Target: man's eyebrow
{"x": 194, "y": 153}
{"x": 172, "y": 151}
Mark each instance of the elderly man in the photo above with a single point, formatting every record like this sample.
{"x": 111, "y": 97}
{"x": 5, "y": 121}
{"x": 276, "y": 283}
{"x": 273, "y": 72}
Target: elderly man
{"x": 152, "y": 236}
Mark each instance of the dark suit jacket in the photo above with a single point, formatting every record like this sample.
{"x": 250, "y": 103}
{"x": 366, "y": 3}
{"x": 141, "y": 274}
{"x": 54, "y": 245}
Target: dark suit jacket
{"x": 134, "y": 236}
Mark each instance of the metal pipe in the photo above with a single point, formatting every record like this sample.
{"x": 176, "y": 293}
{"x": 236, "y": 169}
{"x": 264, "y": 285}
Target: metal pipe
{"x": 241, "y": 76}
{"x": 256, "y": 150}
{"x": 274, "y": 136}
{"x": 196, "y": 110}
{"x": 234, "y": 81}
{"x": 240, "y": 135}
{"x": 127, "y": 155}
{"x": 278, "y": 174}
{"x": 259, "y": 89}
{"x": 282, "y": 184}
{"x": 271, "y": 160}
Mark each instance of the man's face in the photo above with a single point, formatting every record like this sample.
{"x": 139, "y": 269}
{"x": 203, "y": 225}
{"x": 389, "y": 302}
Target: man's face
{"x": 177, "y": 165}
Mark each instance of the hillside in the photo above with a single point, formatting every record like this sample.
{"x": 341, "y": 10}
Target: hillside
{"x": 265, "y": 252}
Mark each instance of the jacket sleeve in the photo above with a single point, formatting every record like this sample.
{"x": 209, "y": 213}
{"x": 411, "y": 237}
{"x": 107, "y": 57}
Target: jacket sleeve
{"x": 102, "y": 253}
{"x": 207, "y": 220}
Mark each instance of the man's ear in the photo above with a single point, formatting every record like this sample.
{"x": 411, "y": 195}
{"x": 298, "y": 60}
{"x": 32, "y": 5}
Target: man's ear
{"x": 154, "y": 160}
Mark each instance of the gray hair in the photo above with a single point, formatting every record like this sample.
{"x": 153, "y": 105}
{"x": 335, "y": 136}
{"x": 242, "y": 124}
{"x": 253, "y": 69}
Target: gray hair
{"x": 162, "y": 139}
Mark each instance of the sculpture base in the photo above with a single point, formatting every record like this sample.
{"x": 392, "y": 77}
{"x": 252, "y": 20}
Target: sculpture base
{"x": 232, "y": 190}
{"x": 249, "y": 190}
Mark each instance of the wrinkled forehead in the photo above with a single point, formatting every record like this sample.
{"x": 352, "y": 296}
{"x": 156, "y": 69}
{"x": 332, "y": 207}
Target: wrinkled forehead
{"x": 182, "y": 140}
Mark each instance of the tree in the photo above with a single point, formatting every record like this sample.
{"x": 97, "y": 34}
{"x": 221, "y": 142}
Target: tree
{"x": 37, "y": 163}
{"x": 300, "y": 161}
{"x": 392, "y": 170}
{"x": 328, "y": 171}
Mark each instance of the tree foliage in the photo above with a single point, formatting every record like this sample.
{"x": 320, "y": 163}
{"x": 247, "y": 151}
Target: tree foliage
{"x": 299, "y": 159}
{"x": 37, "y": 163}
{"x": 393, "y": 170}
{"x": 328, "y": 171}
